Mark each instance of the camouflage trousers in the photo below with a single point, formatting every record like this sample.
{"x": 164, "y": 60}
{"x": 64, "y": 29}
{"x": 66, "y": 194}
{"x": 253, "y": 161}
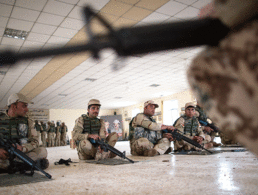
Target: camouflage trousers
{"x": 182, "y": 145}
{"x": 63, "y": 139}
{"x": 87, "y": 151}
{"x": 43, "y": 138}
{"x": 224, "y": 80}
{"x": 57, "y": 140}
{"x": 36, "y": 154}
{"x": 138, "y": 146}
{"x": 51, "y": 139}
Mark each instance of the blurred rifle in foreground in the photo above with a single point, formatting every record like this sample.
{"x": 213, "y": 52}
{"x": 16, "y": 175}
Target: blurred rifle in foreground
{"x": 137, "y": 40}
{"x": 178, "y": 136}
{"x": 107, "y": 147}
{"x": 19, "y": 166}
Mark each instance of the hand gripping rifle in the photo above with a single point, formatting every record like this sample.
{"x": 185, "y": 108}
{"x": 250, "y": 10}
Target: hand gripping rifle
{"x": 14, "y": 152}
{"x": 129, "y": 41}
{"x": 211, "y": 125}
{"x": 107, "y": 147}
{"x": 178, "y": 136}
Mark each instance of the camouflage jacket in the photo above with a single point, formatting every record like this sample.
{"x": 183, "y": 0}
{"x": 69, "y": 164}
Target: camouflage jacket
{"x": 78, "y": 134}
{"x": 29, "y": 131}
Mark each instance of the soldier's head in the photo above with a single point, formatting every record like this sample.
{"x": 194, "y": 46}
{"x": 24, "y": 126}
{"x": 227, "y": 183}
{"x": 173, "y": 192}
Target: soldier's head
{"x": 190, "y": 109}
{"x": 18, "y": 105}
{"x": 149, "y": 108}
{"x": 41, "y": 122}
{"x": 93, "y": 108}
{"x": 63, "y": 124}
{"x": 36, "y": 122}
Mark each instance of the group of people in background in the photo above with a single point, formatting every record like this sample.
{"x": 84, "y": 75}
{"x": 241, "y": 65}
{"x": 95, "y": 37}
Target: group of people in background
{"x": 51, "y": 134}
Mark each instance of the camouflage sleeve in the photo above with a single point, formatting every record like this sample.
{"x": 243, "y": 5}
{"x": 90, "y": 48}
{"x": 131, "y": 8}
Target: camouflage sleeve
{"x": 143, "y": 121}
{"x": 102, "y": 129}
{"x": 32, "y": 138}
{"x": 78, "y": 129}
{"x": 180, "y": 124}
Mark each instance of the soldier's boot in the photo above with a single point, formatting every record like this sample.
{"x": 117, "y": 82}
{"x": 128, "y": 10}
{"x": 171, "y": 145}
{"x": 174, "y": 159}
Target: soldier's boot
{"x": 112, "y": 155}
{"x": 98, "y": 155}
{"x": 168, "y": 150}
{"x": 105, "y": 155}
{"x": 216, "y": 144}
{"x": 150, "y": 152}
{"x": 42, "y": 163}
{"x": 208, "y": 145}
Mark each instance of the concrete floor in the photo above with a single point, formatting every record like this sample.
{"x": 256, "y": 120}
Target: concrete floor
{"x": 223, "y": 173}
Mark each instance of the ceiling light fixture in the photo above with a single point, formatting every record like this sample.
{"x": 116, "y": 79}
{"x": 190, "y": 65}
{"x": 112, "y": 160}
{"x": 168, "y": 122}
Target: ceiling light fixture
{"x": 154, "y": 85}
{"x": 90, "y": 79}
{"x": 63, "y": 95}
{"x": 16, "y": 34}
{"x": 118, "y": 97}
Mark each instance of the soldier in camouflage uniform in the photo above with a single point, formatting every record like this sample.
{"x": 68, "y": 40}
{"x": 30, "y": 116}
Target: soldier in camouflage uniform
{"x": 189, "y": 126}
{"x": 38, "y": 128}
{"x": 58, "y": 133}
{"x": 43, "y": 134}
{"x": 63, "y": 134}
{"x": 201, "y": 116}
{"x": 51, "y": 134}
{"x": 145, "y": 135}
{"x": 87, "y": 127}
{"x": 15, "y": 125}
{"x": 224, "y": 78}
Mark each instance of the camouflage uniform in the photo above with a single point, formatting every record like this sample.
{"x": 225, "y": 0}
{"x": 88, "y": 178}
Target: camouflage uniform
{"x": 224, "y": 78}
{"x": 85, "y": 149}
{"x": 22, "y": 132}
{"x": 202, "y": 116}
{"x": 58, "y": 134}
{"x": 43, "y": 134}
{"x": 189, "y": 127}
{"x": 146, "y": 134}
{"x": 51, "y": 135}
{"x": 38, "y": 128}
{"x": 63, "y": 134}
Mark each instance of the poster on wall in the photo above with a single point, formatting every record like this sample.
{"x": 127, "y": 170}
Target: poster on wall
{"x": 114, "y": 123}
{"x": 39, "y": 114}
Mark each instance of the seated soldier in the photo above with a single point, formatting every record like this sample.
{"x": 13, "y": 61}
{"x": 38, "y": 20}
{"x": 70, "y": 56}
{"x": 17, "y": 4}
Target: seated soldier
{"x": 21, "y": 131}
{"x": 146, "y": 138}
{"x": 203, "y": 120}
{"x": 87, "y": 127}
{"x": 188, "y": 125}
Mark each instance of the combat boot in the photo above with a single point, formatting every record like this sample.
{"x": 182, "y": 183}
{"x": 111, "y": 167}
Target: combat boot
{"x": 150, "y": 152}
{"x": 98, "y": 156}
{"x": 42, "y": 163}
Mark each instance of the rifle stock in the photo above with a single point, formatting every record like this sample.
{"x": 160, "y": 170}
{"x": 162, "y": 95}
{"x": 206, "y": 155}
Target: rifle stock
{"x": 107, "y": 147}
{"x": 7, "y": 145}
{"x": 178, "y": 136}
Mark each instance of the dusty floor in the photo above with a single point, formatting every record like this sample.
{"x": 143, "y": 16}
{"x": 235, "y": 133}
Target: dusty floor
{"x": 223, "y": 173}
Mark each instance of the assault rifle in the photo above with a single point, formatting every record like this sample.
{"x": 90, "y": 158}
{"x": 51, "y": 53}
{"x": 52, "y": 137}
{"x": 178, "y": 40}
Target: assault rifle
{"x": 129, "y": 41}
{"x": 14, "y": 152}
{"x": 107, "y": 147}
{"x": 211, "y": 125}
{"x": 178, "y": 136}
